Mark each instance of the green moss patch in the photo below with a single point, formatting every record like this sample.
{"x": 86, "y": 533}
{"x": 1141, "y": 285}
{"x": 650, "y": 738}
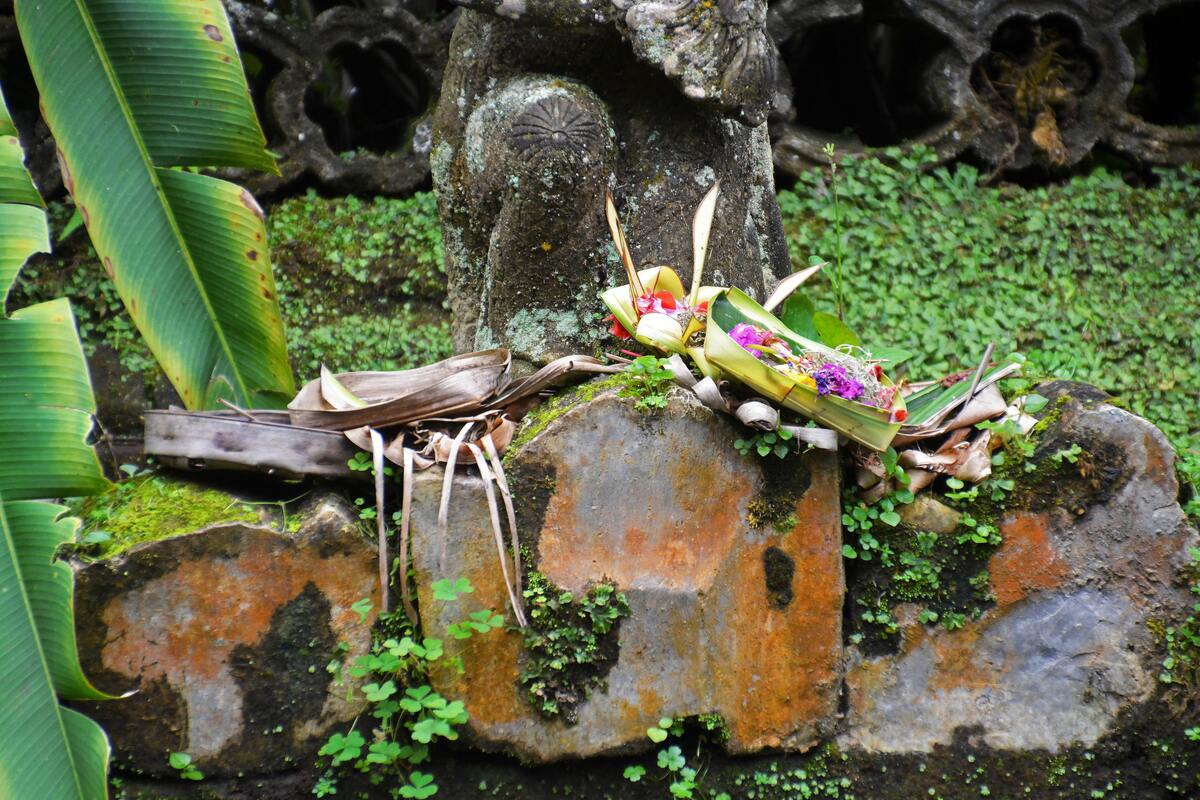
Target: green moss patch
{"x": 150, "y": 508}
{"x": 570, "y": 645}
{"x": 541, "y": 416}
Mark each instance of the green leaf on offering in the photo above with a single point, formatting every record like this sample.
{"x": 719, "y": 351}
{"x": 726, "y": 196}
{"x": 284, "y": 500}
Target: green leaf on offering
{"x": 1034, "y": 403}
{"x": 797, "y": 313}
{"x": 833, "y": 332}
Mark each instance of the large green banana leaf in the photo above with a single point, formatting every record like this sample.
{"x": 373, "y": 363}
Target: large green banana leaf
{"x": 133, "y": 90}
{"x": 45, "y": 750}
{"x": 46, "y": 407}
{"x": 22, "y": 221}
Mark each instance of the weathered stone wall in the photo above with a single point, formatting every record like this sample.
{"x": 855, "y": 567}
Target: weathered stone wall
{"x": 734, "y": 579}
{"x": 1083, "y": 569}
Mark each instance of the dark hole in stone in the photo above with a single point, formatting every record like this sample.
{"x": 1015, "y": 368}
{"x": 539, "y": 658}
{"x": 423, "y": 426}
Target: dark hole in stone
{"x": 1034, "y": 75}
{"x": 866, "y": 75}
{"x": 430, "y": 9}
{"x": 367, "y": 99}
{"x": 1166, "y": 88}
{"x": 261, "y": 68}
{"x": 779, "y": 569}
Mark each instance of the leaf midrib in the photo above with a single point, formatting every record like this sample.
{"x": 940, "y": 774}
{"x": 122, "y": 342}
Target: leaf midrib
{"x": 148, "y": 163}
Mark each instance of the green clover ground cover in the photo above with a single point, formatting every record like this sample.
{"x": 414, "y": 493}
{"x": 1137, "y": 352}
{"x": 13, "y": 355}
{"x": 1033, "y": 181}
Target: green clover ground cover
{"x": 1094, "y": 279}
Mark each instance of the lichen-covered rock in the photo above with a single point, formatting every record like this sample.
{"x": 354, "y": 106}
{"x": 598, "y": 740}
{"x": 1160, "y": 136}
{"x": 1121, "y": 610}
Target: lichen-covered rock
{"x": 731, "y": 567}
{"x": 224, "y": 635}
{"x": 1089, "y": 559}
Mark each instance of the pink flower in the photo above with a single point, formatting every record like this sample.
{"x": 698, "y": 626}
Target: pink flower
{"x": 657, "y": 303}
{"x": 745, "y": 335}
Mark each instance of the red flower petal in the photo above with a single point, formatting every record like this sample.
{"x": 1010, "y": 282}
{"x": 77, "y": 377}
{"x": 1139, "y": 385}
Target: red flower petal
{"x": 618, "y": 330}
{"x": 666, "y": 299}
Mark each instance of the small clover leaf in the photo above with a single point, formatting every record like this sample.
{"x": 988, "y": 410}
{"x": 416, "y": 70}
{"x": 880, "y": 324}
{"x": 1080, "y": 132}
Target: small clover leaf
{"x": 671, "y": 758}
{"x": 446, "y": 591}
{"x": 419, "y": 787}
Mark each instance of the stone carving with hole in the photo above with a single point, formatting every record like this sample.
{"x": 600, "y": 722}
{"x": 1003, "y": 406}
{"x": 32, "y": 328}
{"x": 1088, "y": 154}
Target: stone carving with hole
{"x": 345, "y": 94}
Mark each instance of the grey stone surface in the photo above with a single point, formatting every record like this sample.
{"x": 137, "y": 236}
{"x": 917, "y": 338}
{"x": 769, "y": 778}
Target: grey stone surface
{"x": 223, "y": 635}
{"x": 1090, "y": 559}
{"x": 1054, "y": 671}
{"x": 731, "y": 613}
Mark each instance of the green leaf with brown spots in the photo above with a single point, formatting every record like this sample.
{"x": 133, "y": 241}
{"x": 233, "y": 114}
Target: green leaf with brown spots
{"x": 135, "y": 92}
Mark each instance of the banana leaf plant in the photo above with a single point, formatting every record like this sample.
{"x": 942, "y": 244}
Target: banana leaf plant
{"x": 46, "y": 407}
{"x": 138, "y": 95}
{"x": 820, "y": 382}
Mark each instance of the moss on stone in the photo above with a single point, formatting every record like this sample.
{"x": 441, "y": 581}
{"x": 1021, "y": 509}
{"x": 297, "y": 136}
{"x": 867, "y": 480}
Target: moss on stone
{"x": 151, "y": 508}
{"x": 539, "y": 418}
{"x": 784, "y": 483}
{"x": 571, "y": 643}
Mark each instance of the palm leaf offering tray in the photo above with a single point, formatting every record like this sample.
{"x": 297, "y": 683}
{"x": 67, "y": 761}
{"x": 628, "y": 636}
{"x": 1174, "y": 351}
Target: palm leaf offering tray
{"x": 729, "y": 336}
{"x": 838, "y": 388}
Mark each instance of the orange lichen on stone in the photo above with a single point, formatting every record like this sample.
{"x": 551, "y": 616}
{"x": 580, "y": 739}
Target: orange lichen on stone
{"x": 1026, "y": 561}
{"x": 660, "y": 540}
{"x": 726, "y": 617}
{"x": 183, "y": 626}
{"x": 187, "y": 621}
{"x": 781, "y": 668}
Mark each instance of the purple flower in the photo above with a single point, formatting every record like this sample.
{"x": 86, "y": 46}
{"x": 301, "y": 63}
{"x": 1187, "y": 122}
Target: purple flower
{"x": 746, "y": 335}
{"x": 832, "y": 379}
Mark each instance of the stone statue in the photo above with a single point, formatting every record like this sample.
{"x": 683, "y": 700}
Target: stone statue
{"x": 548, "y": 103}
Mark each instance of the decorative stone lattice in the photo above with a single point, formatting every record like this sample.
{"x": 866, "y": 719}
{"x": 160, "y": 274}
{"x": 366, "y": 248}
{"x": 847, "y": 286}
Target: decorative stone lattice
{"x": 345, "y": 90}
{"x": 1018, "y": 83}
